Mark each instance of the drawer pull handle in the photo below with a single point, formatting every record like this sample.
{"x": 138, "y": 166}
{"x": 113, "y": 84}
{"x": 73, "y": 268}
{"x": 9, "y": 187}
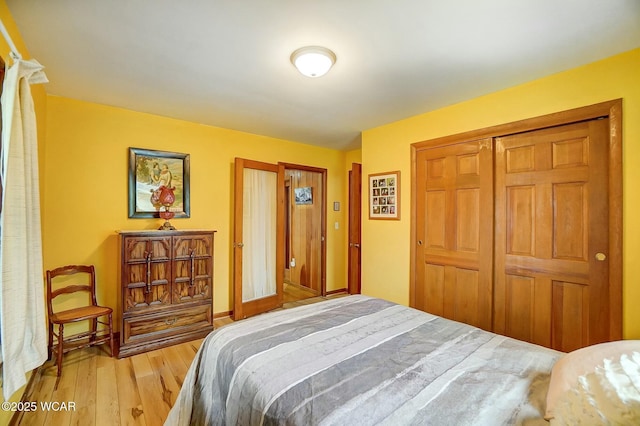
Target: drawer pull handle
{"x": 148, "y": 255}
{"x": 193, "y": 276}
{"x": 171, "y": 321}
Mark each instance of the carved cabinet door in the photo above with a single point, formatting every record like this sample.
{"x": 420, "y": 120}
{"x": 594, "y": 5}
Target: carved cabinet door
{"x": 193, "y": 267}
{"x": 147, "y": 272}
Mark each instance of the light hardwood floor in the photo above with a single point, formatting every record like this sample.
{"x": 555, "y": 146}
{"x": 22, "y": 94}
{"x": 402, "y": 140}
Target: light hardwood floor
{"x": 100, "y": 390}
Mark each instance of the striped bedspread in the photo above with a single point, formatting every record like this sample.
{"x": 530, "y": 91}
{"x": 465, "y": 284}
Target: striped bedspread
{"x": 358, "y": 360}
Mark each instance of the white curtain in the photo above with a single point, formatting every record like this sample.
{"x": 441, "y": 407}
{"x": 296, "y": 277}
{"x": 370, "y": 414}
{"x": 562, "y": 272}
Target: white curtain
{"x": 22, "y": 309}
{"x": 259, "y": 234}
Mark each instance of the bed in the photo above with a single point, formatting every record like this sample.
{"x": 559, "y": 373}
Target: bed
{"x": 361, "y": 360}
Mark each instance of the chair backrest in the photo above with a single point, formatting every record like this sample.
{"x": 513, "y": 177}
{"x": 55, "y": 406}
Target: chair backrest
{"x": 86, "y": 272}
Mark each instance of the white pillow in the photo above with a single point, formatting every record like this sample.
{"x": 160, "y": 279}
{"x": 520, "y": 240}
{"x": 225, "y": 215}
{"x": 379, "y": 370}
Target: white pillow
{"x": 569, "y": 368}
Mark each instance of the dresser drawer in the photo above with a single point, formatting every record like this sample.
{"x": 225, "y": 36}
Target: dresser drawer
{"x": 165, "y": 324}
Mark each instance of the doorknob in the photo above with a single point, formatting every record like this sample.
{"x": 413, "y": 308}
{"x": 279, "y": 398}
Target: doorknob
{"x": 601, "y": 256}
{"x": 354, "y": 245}
{"x": 239, "y": 245}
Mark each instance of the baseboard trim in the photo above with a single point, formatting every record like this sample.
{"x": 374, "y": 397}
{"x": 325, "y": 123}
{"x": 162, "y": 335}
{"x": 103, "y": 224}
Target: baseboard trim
{"x": 222, "y": 314}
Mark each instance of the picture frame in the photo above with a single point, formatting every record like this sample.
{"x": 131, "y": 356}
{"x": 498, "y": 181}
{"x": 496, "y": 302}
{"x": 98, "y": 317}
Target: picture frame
{"x": 384, "y": 195}
{"x": 148, "y": 170}
{"x": 303, "y": 195}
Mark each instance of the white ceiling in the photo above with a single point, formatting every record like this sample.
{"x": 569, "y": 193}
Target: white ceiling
{"x": 226, "y": 62}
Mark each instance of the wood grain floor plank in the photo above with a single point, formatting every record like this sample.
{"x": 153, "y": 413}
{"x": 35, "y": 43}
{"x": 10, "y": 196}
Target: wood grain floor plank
{"x": 66, "y": 391}
{"x": 86, "y": 389}
{"x": 141, "y": 365}
{"x": 220, "y": 322}
{"x": 187, "y": 351}
{"x": 131, "y": 409}
{"x": 170, "y": 387}
{"x": 42, "y": 392}
{"x": 154, "y": 413}
{"x": 107, "y": 404}
{"x": 176, "y": 363}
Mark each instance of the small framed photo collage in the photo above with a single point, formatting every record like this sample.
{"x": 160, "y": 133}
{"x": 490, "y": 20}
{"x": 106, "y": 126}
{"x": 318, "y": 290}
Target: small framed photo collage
{"x": 384, "y": 195}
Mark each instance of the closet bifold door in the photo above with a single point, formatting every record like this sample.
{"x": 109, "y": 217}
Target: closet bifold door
{"x": 454, "y": 231}
{"x": 552, "y": 239}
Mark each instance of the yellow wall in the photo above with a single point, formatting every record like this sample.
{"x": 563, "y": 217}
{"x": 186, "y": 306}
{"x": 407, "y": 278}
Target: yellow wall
{"x": 353, "y": 156}
{"x": 86, "y": 186}
{"x": 385, "y": 245}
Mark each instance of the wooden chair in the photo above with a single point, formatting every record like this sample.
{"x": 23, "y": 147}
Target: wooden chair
{"x": 91, "y": 311}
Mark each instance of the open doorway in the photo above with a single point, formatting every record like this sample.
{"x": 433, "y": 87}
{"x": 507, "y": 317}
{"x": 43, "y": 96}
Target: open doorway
{"x": 305, "y": 232}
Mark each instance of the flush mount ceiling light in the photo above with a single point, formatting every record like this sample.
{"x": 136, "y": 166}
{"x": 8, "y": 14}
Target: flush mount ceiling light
{"x": 313, "y": 61}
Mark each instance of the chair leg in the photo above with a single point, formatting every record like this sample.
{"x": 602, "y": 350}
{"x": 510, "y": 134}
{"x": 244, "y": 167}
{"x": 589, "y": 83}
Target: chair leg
{"x": 94, "y": 327}
{"x": 50, "y": 346}
{"x": 60, "y": 348}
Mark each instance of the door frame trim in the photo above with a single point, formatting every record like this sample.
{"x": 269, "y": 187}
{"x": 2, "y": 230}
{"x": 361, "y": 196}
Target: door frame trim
{"x": 354, "y": 228}
{"x": 611, "y": 110}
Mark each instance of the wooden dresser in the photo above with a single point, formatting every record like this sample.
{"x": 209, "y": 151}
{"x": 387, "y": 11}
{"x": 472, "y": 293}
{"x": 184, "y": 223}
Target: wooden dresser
{"x": 166, "y": 279}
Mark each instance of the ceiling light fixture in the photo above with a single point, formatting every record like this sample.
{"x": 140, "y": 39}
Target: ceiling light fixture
{"x": 313, "y": 61}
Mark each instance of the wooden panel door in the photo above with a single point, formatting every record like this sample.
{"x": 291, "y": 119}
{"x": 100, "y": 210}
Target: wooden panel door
{"x": 251, "y": 224}
{"x": 355, "y": 227}
{"x": 552, "y": 240}
{"x": 454, "y": 229}
{"x": 306, "y": 227}
{"x": 146, "y": 272}
{"x": 193, "y": 267}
